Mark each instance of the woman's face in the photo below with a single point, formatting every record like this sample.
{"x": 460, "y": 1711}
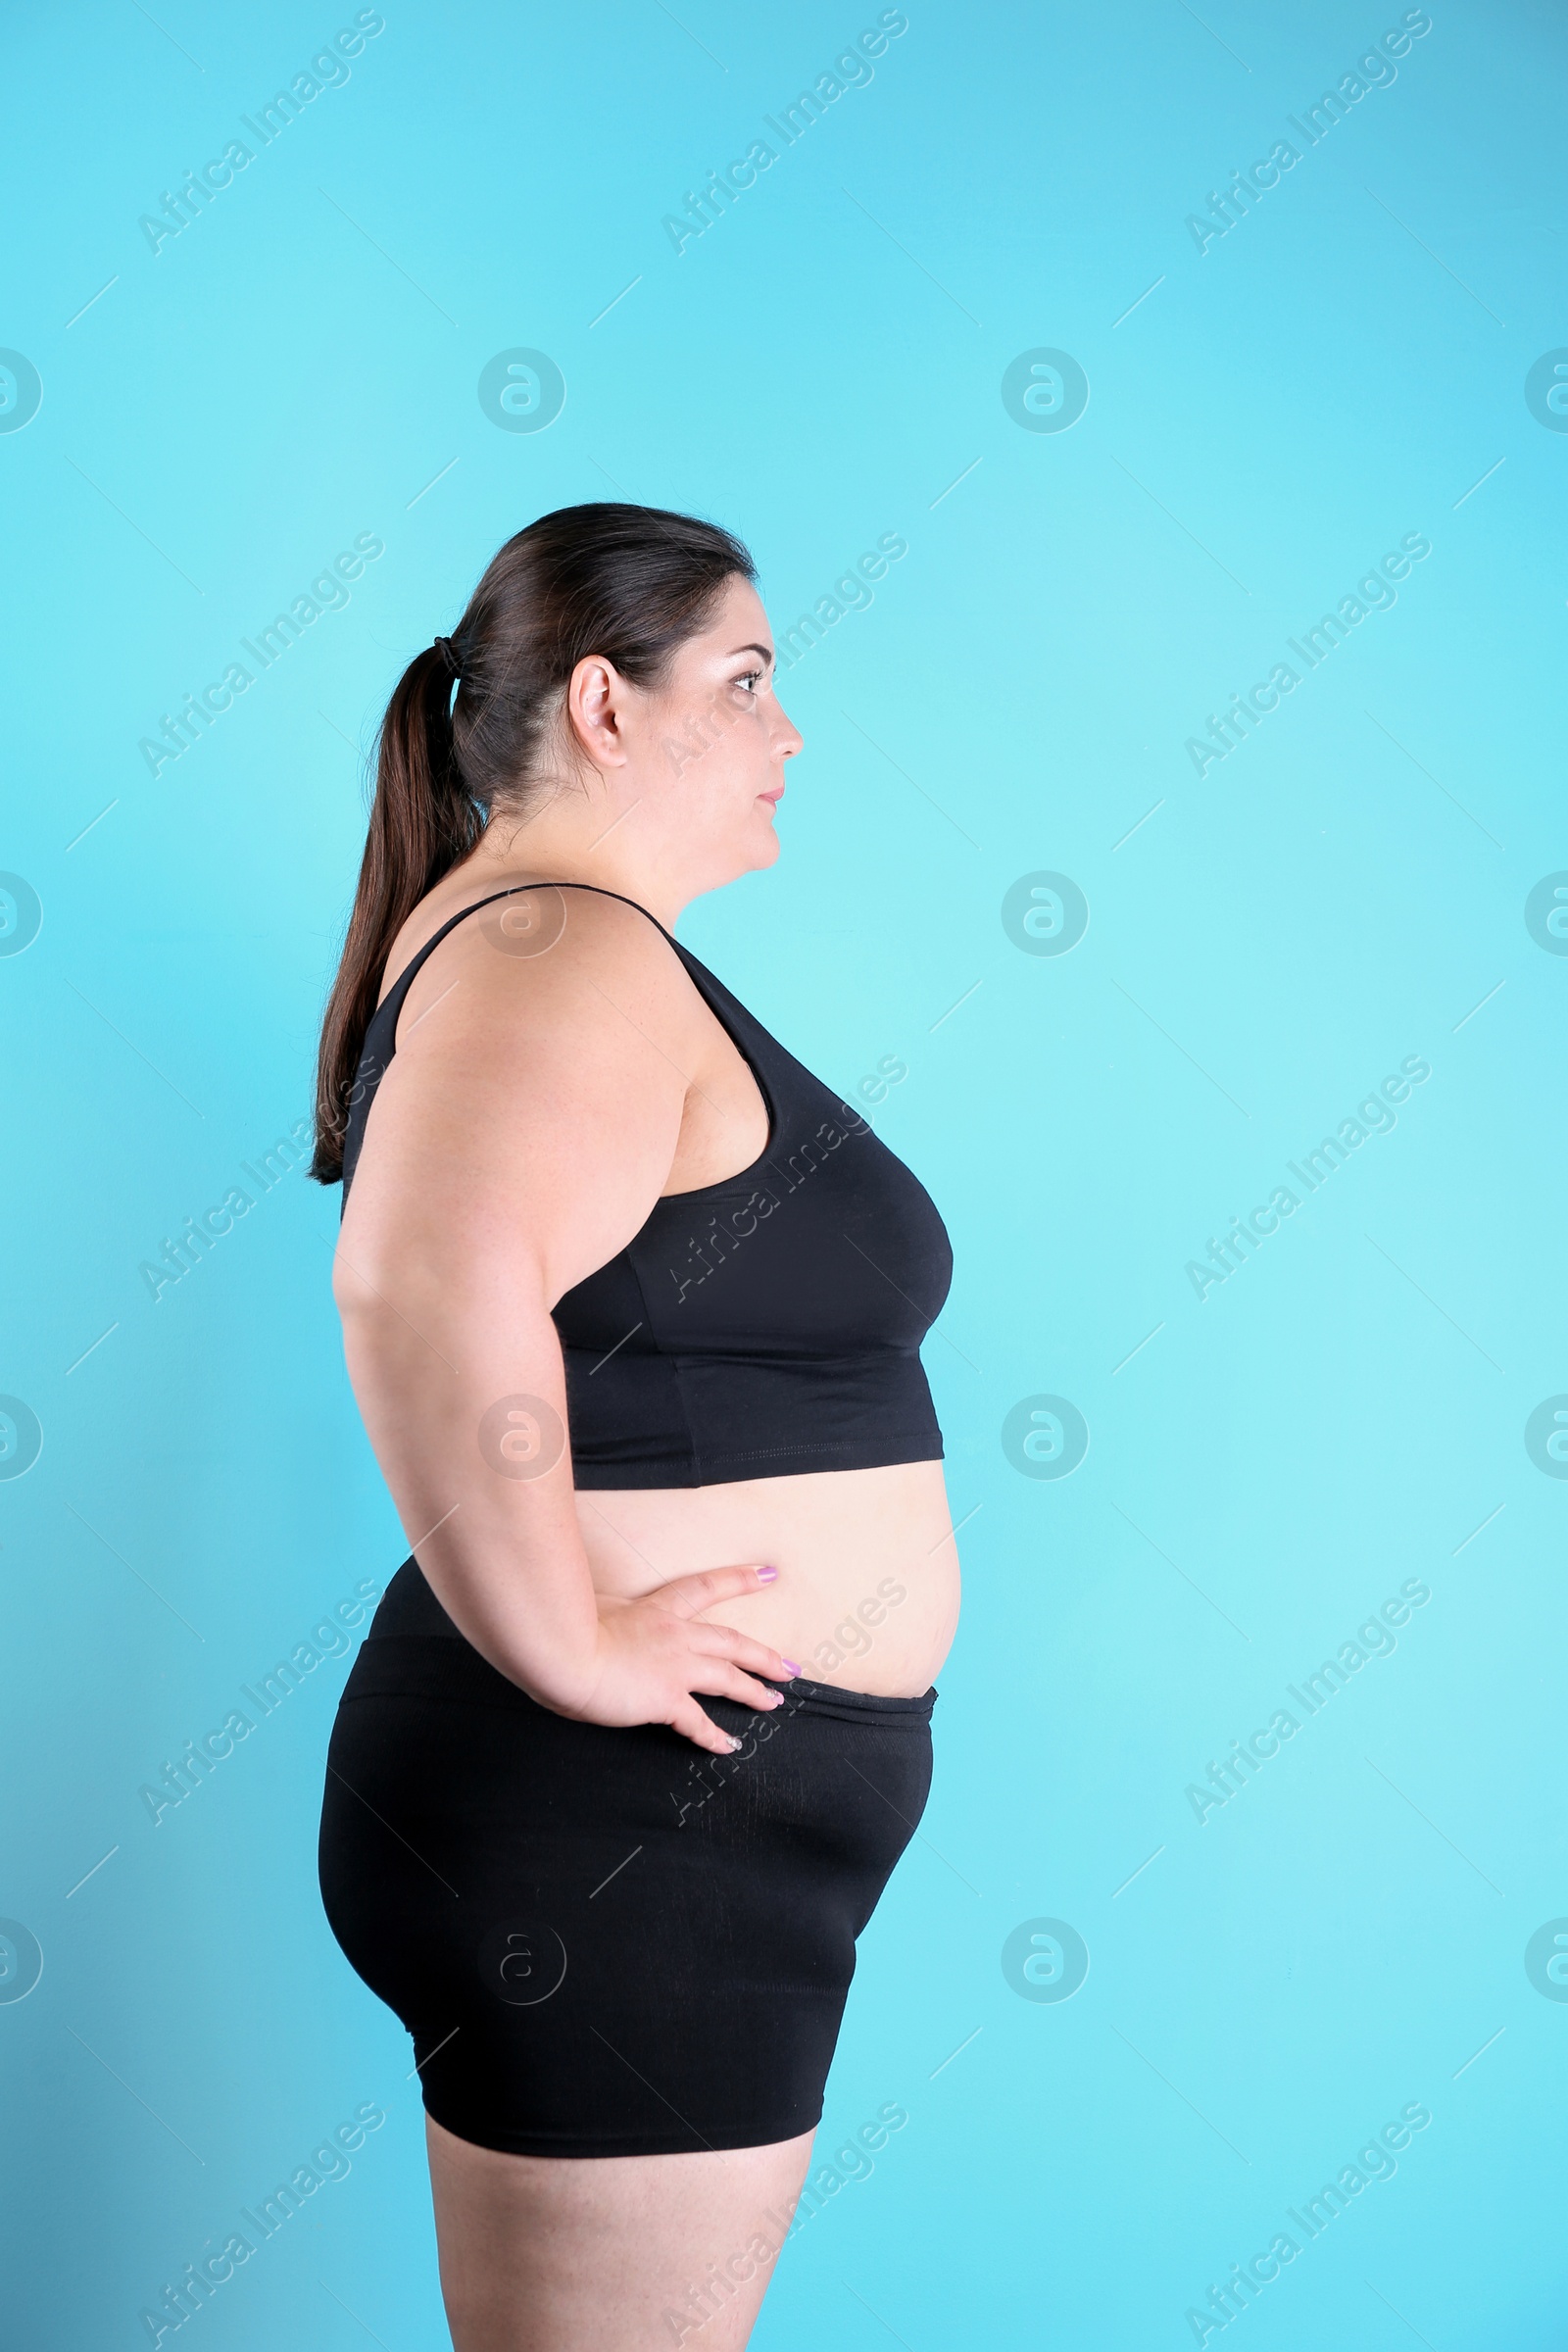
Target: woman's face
{"x": 702, "y": 757}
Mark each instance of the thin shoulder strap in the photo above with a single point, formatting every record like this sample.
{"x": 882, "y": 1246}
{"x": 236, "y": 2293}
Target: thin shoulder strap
{"x": 391, "y": 1005}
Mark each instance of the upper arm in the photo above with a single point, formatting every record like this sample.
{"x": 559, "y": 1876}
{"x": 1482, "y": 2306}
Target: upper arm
{"x": 529, "y": 1119}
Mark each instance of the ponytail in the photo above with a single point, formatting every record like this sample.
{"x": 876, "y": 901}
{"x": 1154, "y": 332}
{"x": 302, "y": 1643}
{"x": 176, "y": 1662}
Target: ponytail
{"x": 631, "y": 583}
{"x": 422, "y": 823}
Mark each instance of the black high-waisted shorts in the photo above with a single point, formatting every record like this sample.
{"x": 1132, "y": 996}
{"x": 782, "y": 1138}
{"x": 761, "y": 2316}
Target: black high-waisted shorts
{"x": 606, "y": 1942}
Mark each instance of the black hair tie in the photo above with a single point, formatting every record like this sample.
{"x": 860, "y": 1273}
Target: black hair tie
{"x": 444, "y": 647}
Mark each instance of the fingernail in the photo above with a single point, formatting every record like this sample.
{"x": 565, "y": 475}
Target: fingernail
{"x": 733, "y": 1746}
{"x": 766, "y": 1576}
{"x": 790, "y": 1667}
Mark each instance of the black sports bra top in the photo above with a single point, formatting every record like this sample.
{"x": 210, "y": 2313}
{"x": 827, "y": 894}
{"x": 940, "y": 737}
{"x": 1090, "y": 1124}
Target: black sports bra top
{"x": 763, "y": 1325}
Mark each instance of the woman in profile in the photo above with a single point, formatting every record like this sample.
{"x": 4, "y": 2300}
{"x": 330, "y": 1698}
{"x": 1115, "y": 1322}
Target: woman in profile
{"x": 632, "y": 1307}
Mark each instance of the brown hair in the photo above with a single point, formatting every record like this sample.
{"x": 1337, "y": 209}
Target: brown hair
{"x": 631, "y": 583}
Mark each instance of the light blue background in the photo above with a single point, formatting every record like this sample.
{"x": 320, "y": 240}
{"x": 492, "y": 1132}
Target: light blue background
{"x": 1341, "y": 892}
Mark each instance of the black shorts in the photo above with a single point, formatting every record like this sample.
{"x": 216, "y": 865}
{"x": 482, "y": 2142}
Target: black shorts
{"x": 606, "y": 1942}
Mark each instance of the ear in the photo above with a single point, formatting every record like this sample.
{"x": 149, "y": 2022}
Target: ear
{"x": 596, "y": 711}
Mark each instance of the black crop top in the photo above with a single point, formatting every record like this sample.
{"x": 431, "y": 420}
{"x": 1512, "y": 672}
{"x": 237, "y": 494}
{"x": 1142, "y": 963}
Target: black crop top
{"x": 767, "y": 1324}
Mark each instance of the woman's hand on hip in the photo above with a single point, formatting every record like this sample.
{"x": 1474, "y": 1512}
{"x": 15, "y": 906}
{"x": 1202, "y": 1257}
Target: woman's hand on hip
{"x": 655, "y": 1653}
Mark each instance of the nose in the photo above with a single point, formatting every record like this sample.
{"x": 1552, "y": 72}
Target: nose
{"x": 787, "y": 737}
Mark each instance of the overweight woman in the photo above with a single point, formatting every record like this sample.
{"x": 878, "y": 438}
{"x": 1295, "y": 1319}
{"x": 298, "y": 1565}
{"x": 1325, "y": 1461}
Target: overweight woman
{"x": 632, "y": 1306}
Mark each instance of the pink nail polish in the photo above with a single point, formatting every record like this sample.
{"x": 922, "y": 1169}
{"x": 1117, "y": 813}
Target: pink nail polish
{"x": 790, "y": 1666}
{"x": 766, "y": 1576}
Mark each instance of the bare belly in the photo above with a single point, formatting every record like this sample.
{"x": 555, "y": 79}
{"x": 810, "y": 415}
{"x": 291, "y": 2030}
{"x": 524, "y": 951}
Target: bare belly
{"x": 868, "y": 1590}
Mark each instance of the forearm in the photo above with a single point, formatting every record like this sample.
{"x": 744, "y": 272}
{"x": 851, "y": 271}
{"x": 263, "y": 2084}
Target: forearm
{"x": 472, "y": 1439}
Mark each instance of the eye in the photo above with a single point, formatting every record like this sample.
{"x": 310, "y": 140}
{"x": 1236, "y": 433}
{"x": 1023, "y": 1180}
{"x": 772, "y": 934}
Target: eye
{"x": 748, "y": 680}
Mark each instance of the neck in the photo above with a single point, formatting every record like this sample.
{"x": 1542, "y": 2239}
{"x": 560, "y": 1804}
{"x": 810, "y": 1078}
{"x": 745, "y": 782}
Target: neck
{"x": 577, "y": 843}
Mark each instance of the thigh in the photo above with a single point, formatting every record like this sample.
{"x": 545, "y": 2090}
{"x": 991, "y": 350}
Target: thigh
{"x": 610, "y": 2253}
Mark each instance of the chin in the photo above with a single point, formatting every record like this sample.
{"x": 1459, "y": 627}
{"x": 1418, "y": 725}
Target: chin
{"x": 769, "y": 847}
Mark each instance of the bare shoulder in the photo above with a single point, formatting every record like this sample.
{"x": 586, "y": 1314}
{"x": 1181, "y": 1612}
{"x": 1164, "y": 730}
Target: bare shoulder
{"x": 537, "y": 1086}
{"x": 550, "y": 951}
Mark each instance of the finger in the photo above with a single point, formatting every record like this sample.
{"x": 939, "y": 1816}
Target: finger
{"x": 723, "y": 1642}
{"x": 693, "y": 1723}
{"x": 723, "y": 1681}
{"x": 687, "y": 1595}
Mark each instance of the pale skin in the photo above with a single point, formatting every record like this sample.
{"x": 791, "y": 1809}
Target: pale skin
{"x": 537, "y": 1107}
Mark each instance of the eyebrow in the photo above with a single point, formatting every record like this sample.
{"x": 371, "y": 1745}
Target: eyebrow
{"x": 767, "y": 652}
